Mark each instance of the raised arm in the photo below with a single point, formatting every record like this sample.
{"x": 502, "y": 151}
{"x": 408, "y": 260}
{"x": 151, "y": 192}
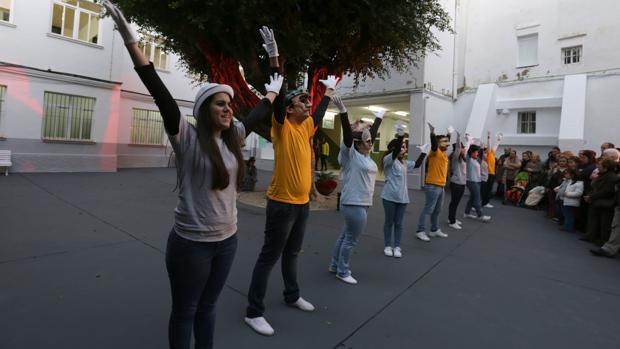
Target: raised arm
{"x": 330, "y": 86}
{"x": 498, "y": 141}
{"x": 374, "y": 129}
{"x": 264, "y": 108}
{"x": 433, "y": 138}
{"x": 168, "y": 107}
{"x": 271, "y": 47}
{"x": 347, "y": 133}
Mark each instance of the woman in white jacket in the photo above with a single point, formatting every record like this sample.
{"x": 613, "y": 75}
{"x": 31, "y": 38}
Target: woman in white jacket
{"x": 570, "y": 193}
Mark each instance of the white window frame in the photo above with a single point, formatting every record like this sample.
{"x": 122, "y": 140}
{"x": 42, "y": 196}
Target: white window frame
{"x": 575, "y": 54}
{"x": 76, "y": 21}
{"x": 527, "y": 126}
{"x": 155, "y": 125}
{"x": 11, "y": 12}
{"x": 80, "y": 107}
{"x": 521, "y": 41}
{"x": 153, "y": 43}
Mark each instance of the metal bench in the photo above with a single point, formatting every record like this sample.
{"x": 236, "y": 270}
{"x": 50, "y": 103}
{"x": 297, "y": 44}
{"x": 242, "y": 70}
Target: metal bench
{"x": 5, "y": 161}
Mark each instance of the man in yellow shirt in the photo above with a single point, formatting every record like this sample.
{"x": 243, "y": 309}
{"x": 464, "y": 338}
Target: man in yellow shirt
{"x": 292, "y": 129}
{"x": 436, "y": 179}
{"x": 324, "y": 154}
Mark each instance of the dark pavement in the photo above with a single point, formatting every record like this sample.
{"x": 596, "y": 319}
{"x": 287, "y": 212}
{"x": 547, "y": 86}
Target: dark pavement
{"x": 82, "y": 266}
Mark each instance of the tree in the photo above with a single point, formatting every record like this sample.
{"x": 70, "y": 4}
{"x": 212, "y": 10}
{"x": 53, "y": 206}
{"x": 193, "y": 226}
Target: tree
{"x": 363, "y": 38}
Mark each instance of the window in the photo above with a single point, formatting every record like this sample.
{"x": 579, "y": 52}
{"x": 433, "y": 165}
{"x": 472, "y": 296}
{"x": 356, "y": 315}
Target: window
{"x": 147, "y": 127}
{"x": 154, "y": 52}
{"x": 190, "y": 119}
{"x": 5, "y": 10}
{"x": 2, "y": 94}
{"x": 67, "y": 117}
{"x": 527, "y": 122}
{"x": 528, "y": 50}
{"x": 76, "y": 19}
{"x": 571, "y": 55}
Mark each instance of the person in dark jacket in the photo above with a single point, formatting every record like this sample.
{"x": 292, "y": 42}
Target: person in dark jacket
{"x": 612, "y": 246}
{"x": 602, "y": 200}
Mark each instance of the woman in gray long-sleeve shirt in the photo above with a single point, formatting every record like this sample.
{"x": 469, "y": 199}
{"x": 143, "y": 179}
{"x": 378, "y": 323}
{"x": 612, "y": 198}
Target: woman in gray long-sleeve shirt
{"x": 202, "y": 244}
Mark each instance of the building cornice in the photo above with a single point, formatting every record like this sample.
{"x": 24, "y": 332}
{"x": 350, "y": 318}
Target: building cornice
{"x": 31, "y": 72}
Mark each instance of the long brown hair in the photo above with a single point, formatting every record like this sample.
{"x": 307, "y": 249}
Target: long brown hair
{"x": 208, "y": 147}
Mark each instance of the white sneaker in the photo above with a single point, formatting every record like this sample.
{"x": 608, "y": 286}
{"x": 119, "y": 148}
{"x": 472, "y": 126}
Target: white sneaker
{"x": 455, "y": 226}
{"x": 458, "y": 222}
{"x": 488, "y": 206}
{"x": 302, "y": 304}
{"x": 398, "y": 252}
{"x": 260, "y": 325}
{"x": 422, "y": 236}
{"x": 438, "y": 233}
{"x": 470, "y": 215}
{"x": 485, "y": 218}
{"x": 388, "y": 251}
{"x": 348, "y": 279}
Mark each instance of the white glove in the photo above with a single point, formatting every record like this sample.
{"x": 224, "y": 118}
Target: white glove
{"x": 499, "y": 137}
{"x": 330, "y": 82}
{"x": 275, "y": 83}
{"x": 338, "y": 103}
{"x": 400, "y": 130}
{"x": 468, "y": 138}
{"x": 424, "y": 148}
{"x": 269, "y": 40}
{"x": 124, "y": 28}
{"x": 450, "y": 130}
{"x": 379, "y": 114}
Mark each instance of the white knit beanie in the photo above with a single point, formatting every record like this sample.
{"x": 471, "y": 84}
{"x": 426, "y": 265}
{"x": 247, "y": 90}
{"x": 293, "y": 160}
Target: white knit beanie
{"x": 208, "y": 90}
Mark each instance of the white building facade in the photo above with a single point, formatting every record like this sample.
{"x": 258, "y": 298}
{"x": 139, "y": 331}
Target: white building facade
{"x": 69, "y": 97}
{"x": 543, "y": 73}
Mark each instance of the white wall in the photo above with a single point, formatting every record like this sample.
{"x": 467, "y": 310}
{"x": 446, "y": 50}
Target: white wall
{"x": 491, "y": 43}
{"x": 602, "y": 112}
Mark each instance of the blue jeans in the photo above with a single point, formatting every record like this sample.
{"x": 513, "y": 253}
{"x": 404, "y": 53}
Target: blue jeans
{"x": 355, "y": 218}
{"x": 284, "y": 234}
{"x": 197, "y": 273}
{"x": 394, "y": 213}
{"x": 474, "y": 198}
{"x": 432, "y": 206}
{"x": 569, "y": 217}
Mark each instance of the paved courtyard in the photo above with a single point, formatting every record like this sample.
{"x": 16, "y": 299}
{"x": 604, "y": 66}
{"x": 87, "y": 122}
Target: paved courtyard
{"x": 82, "y": 266}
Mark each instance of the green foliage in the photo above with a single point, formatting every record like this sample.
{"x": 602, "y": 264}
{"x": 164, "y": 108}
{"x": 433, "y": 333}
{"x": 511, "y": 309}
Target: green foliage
{"x": 362, "y": 37}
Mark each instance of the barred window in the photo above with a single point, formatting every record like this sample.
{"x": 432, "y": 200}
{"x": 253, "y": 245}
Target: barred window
{"x": 571, "y": 55}
{"x": 67, "y": 117}
{"x": 76, "y": 19}
{"x": 147, "y": 127}
{"x": 190, "y": 119}
{"x": 527, "y": 122}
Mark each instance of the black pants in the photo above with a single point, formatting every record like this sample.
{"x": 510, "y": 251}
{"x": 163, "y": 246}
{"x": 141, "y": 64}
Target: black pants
{"x": 599, "y": 224}
{"x": 284, "y": 235}
{"x": 323, "y": 162}
{"x": 487, "y": 188}
{"x": 456, "y": 193}
{"x": 197, "y": 273}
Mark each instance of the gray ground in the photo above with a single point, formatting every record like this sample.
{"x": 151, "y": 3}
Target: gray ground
{"x": 82, "y": 266}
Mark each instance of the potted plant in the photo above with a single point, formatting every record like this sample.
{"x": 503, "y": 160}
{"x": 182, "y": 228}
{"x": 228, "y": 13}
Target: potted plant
{"x": 325, "y": 182}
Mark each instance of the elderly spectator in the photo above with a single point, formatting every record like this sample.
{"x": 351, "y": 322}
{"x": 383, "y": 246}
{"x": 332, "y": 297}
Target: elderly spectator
{"x": 534, "y": 168}
{"x": 511, "y": 166}
{"x": 602, "y": 201}
{"x": 611, "y": 247}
